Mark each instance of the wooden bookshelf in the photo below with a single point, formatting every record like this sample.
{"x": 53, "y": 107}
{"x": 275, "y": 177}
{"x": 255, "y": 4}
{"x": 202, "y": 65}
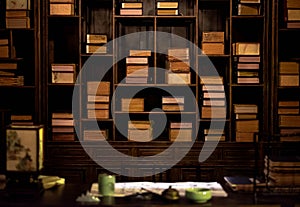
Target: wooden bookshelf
{"x": 66, "y": 40}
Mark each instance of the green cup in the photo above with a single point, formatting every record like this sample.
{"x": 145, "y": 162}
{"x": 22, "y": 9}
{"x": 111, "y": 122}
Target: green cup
{"x": 106, "y": 184}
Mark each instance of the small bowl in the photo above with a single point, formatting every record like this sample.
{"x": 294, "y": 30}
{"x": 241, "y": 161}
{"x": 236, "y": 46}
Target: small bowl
{"x": 198, "y": 195}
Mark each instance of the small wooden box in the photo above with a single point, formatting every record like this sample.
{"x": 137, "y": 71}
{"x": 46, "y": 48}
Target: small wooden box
{"x": 18, "y": 5}
{"x": 244, "y": 9}
{"x": 140, "y": 135}
{"x": 62, "y": 77}
{"x": 178, "y": 78}
{"x": 213, "y": 48}
{"x": 181, "y": 135}
{"x": 63, "y": 73}
{"x": 95, "y": 135}
{"x": 213, "y": 37}
{"x": 96, "y": 38}
{"x": 61, "y": 9}
{"x": 98, "y": 88}
{"x": 289, "y": 80}
{"x": 98, "y": 114}
{"x": 17, "y": 22}
{"x": 246, "y": 48}
{"x": 289, "y": 67}
{"x": 4, "y": 51}
{"x": 133, "y": 104}
{"x": 178, "y": 66}
{"x": 96, "y": 49}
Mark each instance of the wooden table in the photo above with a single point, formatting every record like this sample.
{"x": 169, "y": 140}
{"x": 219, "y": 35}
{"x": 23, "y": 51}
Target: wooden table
{"x": 66, "y": 195}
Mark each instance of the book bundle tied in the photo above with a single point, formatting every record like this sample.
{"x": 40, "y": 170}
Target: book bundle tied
{"x": 131, "y": 8}
{"x": 167, "y": 8}
{"x": 63, "y": 73}
{"x": 246, "y": 122}
{"x": 248, "y": 7}
{"x": 178, "y": 66}
{"x": 181, "y": 131}
{"x": 95, "y": 43}
{"x": 18, "y": 14}
{"x": 213, "y": 43}
{"x": 10, "y": 73}
{"x": 213, "y": 96}
{"x": 137, "y": 66}
{"x": 62, "y": 126}
{"x": 98, "y": 99}
{"x": 140, "y": 131}
{"x": 61, "y": 7}
{"x": 247, "y": 62}
{"x": 292, "y": 13}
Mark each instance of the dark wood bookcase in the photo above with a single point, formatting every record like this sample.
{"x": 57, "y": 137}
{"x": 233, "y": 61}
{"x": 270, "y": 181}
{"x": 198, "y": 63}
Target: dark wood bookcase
{"x": 65, "y": 40}
{"x": 22, "y": 97}
{"x": 20, "y": 84}
{"x": 285, "y": 42}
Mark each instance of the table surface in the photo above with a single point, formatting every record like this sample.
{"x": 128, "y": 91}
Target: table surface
{"x": 65, "y": 195}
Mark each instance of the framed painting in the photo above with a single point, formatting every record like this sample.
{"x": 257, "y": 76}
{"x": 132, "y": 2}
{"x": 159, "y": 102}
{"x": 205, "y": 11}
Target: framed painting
{"x": 24, "y": 148}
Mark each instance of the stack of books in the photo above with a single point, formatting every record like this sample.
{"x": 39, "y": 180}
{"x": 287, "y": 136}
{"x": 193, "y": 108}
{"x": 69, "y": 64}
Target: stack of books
{"x": 283, "y": 171}
{"x": 137, "y": 66}
{"x": 9, "y": 73}
{"x": 95, "y": 135}
{"x": 132, "y": 104}
{"x": 213, "y": 43}
{"x": 63, "y": 73}
{"x": 17, "y": 15}
{"x": 248, "y": 7}
{"x": 61, "y": 7}
{"x": 167, "y": 8}
{"x": 98, "y": 99}
{"x": 239, "y": 183}
{"x": 131, "y": 8}
{"x": 181, "y": 131}
{"x": 289, "y": 108}
{"x": 292, "y": 13}
{"x": 170, "y": 103}
{"x": 63, "y": 126}
{"x": 21, "y": 119}
{"x": 95, "y": 43}
{"x": 213, "y": 95}
{"x": 140, "y": 131}
{"x": 50, "y": 181}
{"x": 247, "y": 123}
{"x": 247, "y": 62}
{"x": 247, "y": 68}
{"x": 289, "y": 74}
{"x": 214, "y": 135}
{"x": 178, "y": 66}
{"x": 289, "y": 124}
